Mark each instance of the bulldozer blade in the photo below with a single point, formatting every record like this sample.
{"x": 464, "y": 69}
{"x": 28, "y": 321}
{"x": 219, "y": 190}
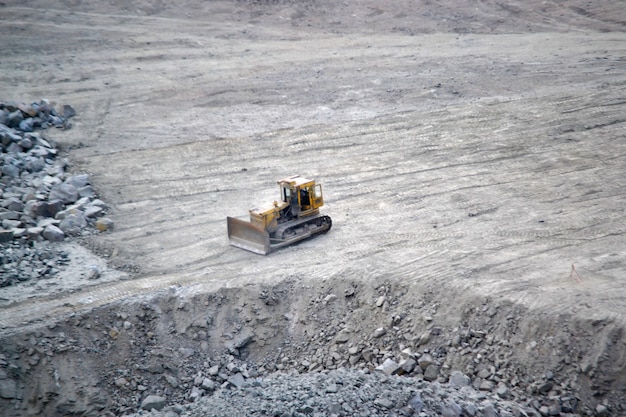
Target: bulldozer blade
{"x": 248, "y": 236}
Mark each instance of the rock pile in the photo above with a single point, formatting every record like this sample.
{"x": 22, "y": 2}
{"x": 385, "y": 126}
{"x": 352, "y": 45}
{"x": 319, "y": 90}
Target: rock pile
{"x": 344, "y": 392}
{"x": 480, "y": 366}
{"x": 236, "y": 349}
{"x": 39, "y": 199}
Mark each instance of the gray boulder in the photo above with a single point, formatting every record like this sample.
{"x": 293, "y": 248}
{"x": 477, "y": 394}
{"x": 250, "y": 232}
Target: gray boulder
{"x": 8, "y": 389}
{"x": 6, "y": 236}
{"x": 458, "y": 379}
{"x": 73, "y": 224}
{"x": 64, "y": 192}
{"x": 53, "y": 233}
{"x": 153, "y": 402}
{"x": 388, "y": 367}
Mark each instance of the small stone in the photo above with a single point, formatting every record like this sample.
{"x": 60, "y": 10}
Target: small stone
{"x": 379, "y": 332}
{"x": 26, "y": 143}
{"x": 214, "y": 370}
{"x": 153, "y": 402}
{"x": 104, "y": 223}
{"x": 45, "y": 222}
{"x": 10, "y": 171}
{"x": 68, "y": 111}
{"x": 569, "y": 404}
{"x": 354, "y": 350}
{"x": 458, "y": 379}
{"x": 383, "y": 402}
{"x": 545, "y": 387}
{"x": 64, "y": 192}
{"x": 342, "y": 337}
{"x": 486, "y": 385}
{"x": 331, "y": 388}
{"x": 93, "y": 273}
{"x": 431, "y": 373}
{"x": 407, "y": 365}
{"x": 423, "y": 339}
{"x": 87, "y": 191}
{"x": 329, "y": 298}
{"x": 236, "y": 380}
{"x": 451, "y": 409}
{"x": 33, "y": 233}
{"x": 196, "y": 394}
{"x": 27, "y": 125}
{"x": 8, "y": 389}
{"x": 484, "y": 373}
{"x": 208, "y": 384}
{"x": 554, "y": 410}
{"x": 79, "y": 181}
{"x": 120, "y": 382}
{"x": 172, "y": 380}
{"x": 53, "y": 233}
{"x": 407, "y": 353}
{"x": 11, "y": 224}
{"x": 27, "y": 109}
{"x": 416, "y": 403}
{"x": 14, "y": 204}
{"x": 388, "y": 367}
{"x": 490, "y": 411}
{"x": 6, "y": 236}
{"x": 334, "y": 408}
{"x": 425, "y": 361}
{"x": 187, "y": 352}
{"x": 93, "y": 211}
{"x": 10, "y": 215}
{"x": 73, "y": 224}
{"x": 380, "y": 301}
{"x": 602, "y": 411}
{"x": 15, "y": 118}
{"x": 53, "y": 207}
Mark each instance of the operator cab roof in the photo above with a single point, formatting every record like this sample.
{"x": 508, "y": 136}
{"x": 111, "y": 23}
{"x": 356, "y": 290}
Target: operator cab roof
{"x": 296, "y": 181}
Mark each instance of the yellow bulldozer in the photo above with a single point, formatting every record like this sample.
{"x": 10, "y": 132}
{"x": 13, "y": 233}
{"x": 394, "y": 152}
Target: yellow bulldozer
{"x": 294, "y": 218}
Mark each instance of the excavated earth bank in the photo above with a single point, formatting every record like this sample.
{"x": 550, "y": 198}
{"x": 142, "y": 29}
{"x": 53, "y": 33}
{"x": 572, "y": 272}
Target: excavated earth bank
{"x": 472, "y": 158}
{"x": 183, "y": 345}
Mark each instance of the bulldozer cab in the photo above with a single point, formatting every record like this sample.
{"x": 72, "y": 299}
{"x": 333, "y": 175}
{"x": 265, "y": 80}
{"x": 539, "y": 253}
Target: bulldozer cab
{"x": 303, "y": 195}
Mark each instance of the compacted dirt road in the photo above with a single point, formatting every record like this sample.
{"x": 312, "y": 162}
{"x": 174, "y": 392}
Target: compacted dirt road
{"x": 467, "y": 150}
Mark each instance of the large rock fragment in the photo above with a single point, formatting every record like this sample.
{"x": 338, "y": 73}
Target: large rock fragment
{"x": 153, "y": 402}
{"x": 53, "y": 233}
{"x": 8, "y": 389}
{"x": 73, "y": 224}
{"x": 6, "y": 236}
{"x": 458, "y": 379}
{"x": 388, "y": 367}
{"x": 104, "y": 223}
{"x": 64, "y": 192}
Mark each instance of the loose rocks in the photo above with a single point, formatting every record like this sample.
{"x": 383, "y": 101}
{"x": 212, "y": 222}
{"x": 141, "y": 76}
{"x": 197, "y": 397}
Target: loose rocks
{"x": 39, "y": 199}
{"x": 38, "y": 260}
{"x": 354, "y": 393}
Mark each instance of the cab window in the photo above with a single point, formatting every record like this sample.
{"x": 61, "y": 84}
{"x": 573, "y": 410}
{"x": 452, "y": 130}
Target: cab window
{"x": 286, "y": 194}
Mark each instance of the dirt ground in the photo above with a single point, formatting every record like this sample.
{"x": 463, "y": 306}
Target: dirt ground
{"x": 464, "y": 150}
